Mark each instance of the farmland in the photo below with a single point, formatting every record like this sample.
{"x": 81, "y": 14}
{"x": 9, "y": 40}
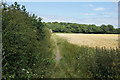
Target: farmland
{"x": 31, "y": 51}
{"x": 83, "y": 61}
{"x": 92, "y": 40}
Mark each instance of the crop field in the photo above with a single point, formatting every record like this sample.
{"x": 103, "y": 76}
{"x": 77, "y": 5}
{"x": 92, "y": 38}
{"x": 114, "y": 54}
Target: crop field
{"x": 92, "y": 40}
{"x": 82, "y": 61}
{"x": 32, "y": 49}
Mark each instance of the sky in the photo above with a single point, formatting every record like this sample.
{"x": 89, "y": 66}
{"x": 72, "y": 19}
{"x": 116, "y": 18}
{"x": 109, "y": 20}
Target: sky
{"x": 75, "y": 12}
{"x": 63, "y": 0}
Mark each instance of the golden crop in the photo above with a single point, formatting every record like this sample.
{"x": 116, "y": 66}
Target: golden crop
{"x": 92, "y": 40}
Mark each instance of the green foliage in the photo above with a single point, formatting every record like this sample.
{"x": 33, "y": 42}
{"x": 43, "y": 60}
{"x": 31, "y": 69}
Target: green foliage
{"x": 82, "y": 28}
{"x": 26, "y": 49}
{"x": 87, "y": 62}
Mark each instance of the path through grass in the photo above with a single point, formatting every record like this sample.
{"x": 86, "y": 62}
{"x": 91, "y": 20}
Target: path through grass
{"x": 58, "y": 69}
{"x": 74, "y": 61}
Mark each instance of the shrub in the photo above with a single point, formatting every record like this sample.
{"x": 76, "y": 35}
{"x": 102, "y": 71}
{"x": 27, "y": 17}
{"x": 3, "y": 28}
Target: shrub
{"x": 26, "y": 49}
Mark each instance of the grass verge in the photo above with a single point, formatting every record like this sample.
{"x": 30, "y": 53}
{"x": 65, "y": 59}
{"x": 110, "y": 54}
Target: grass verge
{"x": 87, "y": 62}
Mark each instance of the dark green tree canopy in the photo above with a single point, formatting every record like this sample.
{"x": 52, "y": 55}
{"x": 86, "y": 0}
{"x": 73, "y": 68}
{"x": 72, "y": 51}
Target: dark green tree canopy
{"x": 82, "y": 28}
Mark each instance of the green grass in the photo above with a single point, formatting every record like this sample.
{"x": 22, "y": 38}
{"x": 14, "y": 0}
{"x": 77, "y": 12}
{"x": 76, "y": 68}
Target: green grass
{"x": 87, "y": 62}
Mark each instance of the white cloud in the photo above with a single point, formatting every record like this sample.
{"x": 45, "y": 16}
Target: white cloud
{"x": 100, "y": 21}
{"x": 99, "y": 9}
{"x": 89, "y": 14}
{"x": 91, "y": 5}
{"x": 97, "y": 21}
{"x": 53, "y": 18}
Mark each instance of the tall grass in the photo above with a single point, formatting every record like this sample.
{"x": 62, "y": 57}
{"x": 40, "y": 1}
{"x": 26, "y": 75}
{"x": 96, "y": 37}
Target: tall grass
{"x": 87, "y": 62}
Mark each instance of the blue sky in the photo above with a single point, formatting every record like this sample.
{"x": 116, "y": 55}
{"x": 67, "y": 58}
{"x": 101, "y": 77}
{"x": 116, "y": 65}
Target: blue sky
{"x": 76, "y": 12}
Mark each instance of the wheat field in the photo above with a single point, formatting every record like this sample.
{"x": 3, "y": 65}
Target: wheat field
{"x": 92, "y": 40}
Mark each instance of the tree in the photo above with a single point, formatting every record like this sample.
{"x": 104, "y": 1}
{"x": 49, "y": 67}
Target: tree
{"x": 111, "y": 28}
{"x": 80, "y": 28}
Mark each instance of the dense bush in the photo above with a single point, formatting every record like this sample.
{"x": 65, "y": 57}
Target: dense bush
{"x": 27, "y": 51}
{"x": 82, "y": 28}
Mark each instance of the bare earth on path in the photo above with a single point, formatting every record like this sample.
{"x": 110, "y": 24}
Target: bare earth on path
{"x": 56, "y": 50}
{"x": 58, "y": 56}
{"x": 92, "y": 40}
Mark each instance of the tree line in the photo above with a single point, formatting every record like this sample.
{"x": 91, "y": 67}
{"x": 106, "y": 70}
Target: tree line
{"x": 82, "y": 28}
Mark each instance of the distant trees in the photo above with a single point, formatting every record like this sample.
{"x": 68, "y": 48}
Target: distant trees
{"x": 82, "y": 28}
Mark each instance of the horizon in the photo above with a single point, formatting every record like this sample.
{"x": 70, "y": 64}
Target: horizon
{"x": 97, "y": 13}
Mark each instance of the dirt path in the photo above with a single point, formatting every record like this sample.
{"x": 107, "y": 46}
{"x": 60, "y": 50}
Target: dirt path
{"x": 56, "y": 51}
{"x": 57, "y": 55}
{"x": 60, "y": 69}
